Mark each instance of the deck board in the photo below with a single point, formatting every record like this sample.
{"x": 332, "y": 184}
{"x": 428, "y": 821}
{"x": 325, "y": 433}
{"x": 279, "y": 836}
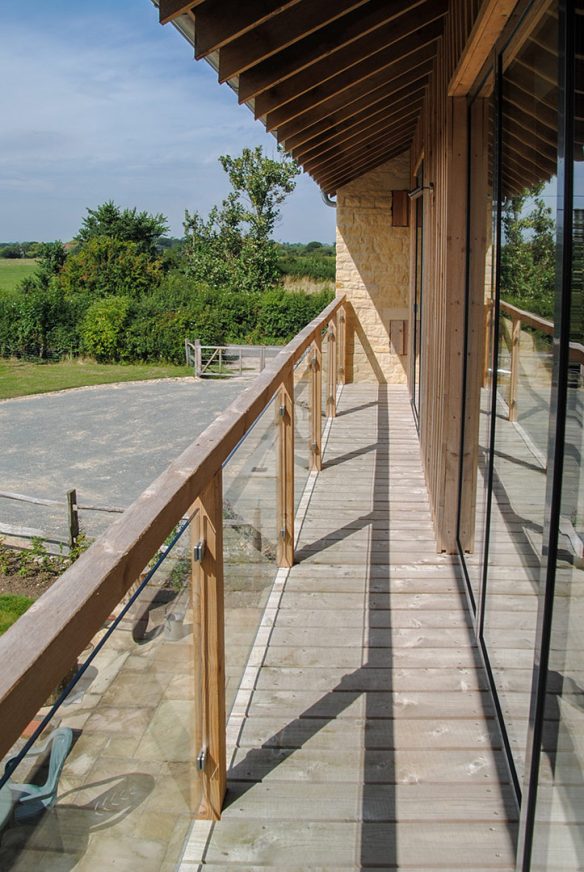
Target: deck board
{"x": 368, "y": 738}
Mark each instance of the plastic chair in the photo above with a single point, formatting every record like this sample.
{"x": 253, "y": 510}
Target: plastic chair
{"x": 33, "y": 799}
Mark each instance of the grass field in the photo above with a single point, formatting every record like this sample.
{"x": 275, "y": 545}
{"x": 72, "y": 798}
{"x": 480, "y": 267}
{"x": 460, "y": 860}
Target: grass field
{"x": 19, "y": 378}
{"x": 13, "y": 271}
{"x": 11, "y": 608}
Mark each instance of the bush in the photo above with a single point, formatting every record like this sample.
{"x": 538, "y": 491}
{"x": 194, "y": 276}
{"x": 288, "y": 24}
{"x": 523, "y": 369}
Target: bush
{"x": 283, "y": 314}
{"x": 102, "y": 329}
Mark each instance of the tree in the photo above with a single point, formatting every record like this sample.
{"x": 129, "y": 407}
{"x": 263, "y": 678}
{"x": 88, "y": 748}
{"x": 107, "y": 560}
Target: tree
{"x": 528, "y": 252}
{"x": 125, "y": 225}
{"x": 233, "y": 248}
{"x": 106, "y": 267}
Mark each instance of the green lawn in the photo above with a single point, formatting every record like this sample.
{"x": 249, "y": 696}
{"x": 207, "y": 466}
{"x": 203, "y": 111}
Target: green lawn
{"x": 11, "y": 608}
{"x": 19, "y": 378}
{"x": 13, "y": 271}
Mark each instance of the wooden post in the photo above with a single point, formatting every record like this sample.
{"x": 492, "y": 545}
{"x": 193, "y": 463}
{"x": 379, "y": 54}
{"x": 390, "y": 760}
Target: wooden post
{"x": 198, "y": 358}
{"x": 209, "y": 647}
{"x": 72, "y": 517}
{"x": 316, "y": 405}
{"x": 331, "y": 402}
{"x": 285, "y": 527}
{"x": 514, "y": 378}
{"x": 341, "y": 344}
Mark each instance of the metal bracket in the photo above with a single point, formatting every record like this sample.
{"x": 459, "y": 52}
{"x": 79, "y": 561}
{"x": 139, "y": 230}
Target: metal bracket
{"x": 202, "y": 759}
{"x": 199, "y": 551}
{"x": 282, "y": 411}
{"x": 314, "y": 447}
{"x": 283, "y": 533}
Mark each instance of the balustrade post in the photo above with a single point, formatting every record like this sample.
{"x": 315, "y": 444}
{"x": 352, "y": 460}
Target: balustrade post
{"x": 285, "y": 411}
{"x": 514, "y": 378}
{"x": 209, "y": 646}
{"x": 331, "y": 402}
{"x": 316, "y": 405}
{"x": 341, "y": 345}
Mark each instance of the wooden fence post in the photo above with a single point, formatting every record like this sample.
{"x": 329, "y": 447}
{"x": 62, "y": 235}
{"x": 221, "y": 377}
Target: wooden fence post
{"x": 342, "y": 342}
{"x": 316, "y": 405}
{"x": 209, "y": 648}
{"x": 72, "y": 517}
{"x": 514, "y": 378}
{"x": 198, "y": 357}
{"x": 331, "y": 403}
{"x": 285, "y": 555}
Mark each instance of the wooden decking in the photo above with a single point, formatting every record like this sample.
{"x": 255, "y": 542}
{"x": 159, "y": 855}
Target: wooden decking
{"x": 368, "y": 740}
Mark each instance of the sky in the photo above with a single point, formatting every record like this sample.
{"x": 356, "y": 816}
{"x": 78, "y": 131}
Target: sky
{"x": 100, "y": 102}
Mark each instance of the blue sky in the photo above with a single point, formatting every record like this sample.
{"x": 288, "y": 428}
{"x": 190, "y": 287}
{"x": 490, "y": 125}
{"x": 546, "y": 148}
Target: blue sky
{"x": 101, "y": 102}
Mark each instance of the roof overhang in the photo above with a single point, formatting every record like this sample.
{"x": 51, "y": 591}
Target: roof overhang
{"x": 340, "y": 83}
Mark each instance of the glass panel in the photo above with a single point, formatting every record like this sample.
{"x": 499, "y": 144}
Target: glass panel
{"x": 559, "y": 820}
{"x": 527, "y": 281}
{"x": 479, "y": 339}
{"x": 112, "y": 777}
{"x": 302, "y": 432}
{"x": 419, "y": 213}
{"x": 250, "y": 540}
{"x": 325, "y": 373}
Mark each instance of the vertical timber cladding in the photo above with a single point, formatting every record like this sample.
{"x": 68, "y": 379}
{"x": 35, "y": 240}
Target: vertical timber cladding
{"x": 373, "y": 272}
{"x": 441, "y": 137}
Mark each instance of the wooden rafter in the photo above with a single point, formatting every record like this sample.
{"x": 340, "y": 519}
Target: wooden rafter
{"x": 275, "y": 35}
{"x": 327, "y": 168}
{"x": 219, "y": 24}
{"x": 355, "y": 111}
{"x": 332, "y": 185}
{"x": 396, "y": 57}
{"x": 170, "y": 9}
{"x": 334, "y": 49}
{"x": 395, "y": 79}
{"x": 377, "y": 124}
{"x": 336, "y": 136}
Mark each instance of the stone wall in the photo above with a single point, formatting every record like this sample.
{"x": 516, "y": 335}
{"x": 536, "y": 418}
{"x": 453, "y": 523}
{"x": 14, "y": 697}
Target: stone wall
{"x": 373, "y": 263}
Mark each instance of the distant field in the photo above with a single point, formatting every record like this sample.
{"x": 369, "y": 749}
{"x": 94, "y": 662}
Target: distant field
{"x": 19, "y": 378}
{"x": 13, "y": 271}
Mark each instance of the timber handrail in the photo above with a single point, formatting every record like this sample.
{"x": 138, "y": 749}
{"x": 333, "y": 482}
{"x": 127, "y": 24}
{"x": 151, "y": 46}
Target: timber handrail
{"x": 38, "y": 649}
{"x": 520, "y": 317}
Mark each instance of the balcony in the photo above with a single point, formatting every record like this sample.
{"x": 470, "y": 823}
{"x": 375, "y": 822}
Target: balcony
{"x": 285, "y": 574}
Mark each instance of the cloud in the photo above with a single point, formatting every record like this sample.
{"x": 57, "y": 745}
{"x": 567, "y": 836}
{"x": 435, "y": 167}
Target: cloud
{"x": 106, "y": 104}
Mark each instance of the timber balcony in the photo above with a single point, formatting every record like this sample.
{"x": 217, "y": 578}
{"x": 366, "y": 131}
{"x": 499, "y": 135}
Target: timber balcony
{"x": 295, "y": 658}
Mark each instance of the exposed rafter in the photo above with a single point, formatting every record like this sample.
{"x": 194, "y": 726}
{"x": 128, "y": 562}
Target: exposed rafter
{"x": 381, "y": 121}
{"x": 395, "y": 60}
{"x": 334, "y": 49}
{"x": 341, "y": 83}
{"x": 217, "y": 25}
{"x": 332, "y": 184}
{"x": 285, "y": 29}
{"x": 396, "y": 79}
{"x": 170, "y": 9}
{"x": 353, "y": 113}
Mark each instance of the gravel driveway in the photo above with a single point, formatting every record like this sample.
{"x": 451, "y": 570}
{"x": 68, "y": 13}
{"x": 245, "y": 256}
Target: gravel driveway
{"x": 108, "y": 442}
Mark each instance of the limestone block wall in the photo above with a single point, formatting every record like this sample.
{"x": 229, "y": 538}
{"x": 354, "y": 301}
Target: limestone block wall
{"x": 373, "y": 264}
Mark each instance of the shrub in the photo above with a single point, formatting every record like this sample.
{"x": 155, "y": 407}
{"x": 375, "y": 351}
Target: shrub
{"x": 102, "y": 329}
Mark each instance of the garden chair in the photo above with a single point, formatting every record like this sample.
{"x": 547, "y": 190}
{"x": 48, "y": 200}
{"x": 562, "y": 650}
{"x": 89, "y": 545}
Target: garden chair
{"x": 31, "y": 800}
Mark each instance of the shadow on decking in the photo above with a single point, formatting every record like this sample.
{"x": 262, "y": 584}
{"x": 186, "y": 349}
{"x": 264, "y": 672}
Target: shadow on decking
{"x": 258, "y": 764}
